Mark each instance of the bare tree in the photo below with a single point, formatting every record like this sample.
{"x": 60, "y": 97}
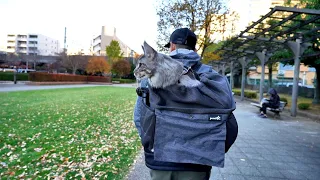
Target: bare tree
{"x": 73, "y": 62}
{"x": 198, "y": 15}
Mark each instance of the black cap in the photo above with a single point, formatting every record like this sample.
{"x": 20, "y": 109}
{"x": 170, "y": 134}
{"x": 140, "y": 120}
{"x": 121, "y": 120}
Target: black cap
{"x": 183, "y": 36}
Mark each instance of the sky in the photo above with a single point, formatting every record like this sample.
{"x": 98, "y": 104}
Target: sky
{"x": 135, "y": 20}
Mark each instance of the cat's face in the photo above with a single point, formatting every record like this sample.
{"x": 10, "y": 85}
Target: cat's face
{"x": 146, "y": 64}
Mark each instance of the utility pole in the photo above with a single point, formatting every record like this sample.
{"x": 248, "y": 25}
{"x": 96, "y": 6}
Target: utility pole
{"x": 65, "y": 40}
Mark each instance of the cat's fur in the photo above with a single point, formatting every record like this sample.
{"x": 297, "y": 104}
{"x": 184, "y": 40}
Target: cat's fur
{"x": 161, "y": 70}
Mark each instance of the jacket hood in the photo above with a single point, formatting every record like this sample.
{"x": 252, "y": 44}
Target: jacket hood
{"x": 190, "y": 58}
{"x": 187, "y": 57}
{"x": 272, "y": 91}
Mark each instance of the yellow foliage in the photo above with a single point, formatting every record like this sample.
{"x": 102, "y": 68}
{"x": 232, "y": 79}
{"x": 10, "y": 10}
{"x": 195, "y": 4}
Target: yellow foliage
{"x": 210, "y": 56}
{"x": 98, "y": 64}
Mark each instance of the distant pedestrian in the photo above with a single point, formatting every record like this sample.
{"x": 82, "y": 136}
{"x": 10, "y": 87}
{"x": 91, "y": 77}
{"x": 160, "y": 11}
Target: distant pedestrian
{"x": 272, "y": 102}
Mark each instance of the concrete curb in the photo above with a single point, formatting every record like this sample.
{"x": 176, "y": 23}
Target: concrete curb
{"x": 65, "y": 83}
{"x": 11, "y": 82}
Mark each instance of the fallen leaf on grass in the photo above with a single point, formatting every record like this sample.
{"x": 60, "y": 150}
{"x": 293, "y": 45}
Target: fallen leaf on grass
{"x": 37, "y": 149}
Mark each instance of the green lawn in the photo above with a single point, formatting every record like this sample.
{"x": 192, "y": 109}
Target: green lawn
{"x": 72, "y": 133}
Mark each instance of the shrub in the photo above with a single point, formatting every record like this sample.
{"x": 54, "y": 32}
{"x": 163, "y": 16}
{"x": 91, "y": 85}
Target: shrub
{"x": 8, "y": 76}
{"x": 284, "y": 99}
{"x": 237, "y": 92}
{"x": 248, "y": 94}
{"x": 303, "y": 106}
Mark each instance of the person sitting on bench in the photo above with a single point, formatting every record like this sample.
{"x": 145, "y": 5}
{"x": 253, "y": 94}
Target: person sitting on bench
{"x": 273, "y": 102}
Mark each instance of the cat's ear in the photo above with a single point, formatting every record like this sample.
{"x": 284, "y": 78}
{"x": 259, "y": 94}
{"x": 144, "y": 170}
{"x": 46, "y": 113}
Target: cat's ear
{"x": 149, "y": 52}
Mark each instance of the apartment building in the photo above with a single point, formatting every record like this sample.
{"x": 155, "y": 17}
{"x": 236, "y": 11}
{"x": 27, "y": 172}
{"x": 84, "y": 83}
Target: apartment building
{"x": 103, "y": 40}
{"x": 32, "y": 44}
{"x": 283, "y": 74}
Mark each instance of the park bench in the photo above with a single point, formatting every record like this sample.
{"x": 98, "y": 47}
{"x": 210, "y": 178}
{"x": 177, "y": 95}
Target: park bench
{"x": 276, "y": 111}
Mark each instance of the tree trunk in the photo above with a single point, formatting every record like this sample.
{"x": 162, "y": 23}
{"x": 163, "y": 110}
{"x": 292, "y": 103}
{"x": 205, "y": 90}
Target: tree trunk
{"x": 316, "y": 99}
{"x": 74, "y": 71}
{"x": 270, "y": 75}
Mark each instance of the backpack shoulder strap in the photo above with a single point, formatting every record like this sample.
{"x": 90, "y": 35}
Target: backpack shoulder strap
{"x": 196, "y": 66}
{"x": 143, "y": 91}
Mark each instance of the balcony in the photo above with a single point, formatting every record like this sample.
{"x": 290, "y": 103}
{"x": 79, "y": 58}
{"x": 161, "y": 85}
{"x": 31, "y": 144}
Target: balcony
{"x": 96, "y": 48}
{"x": 11, "y": 50}
{"x": 11, "y": 43}
{"x": 22, "y": 50}
{"x": 11, "y": 38}
{"x": 22, "y": 45}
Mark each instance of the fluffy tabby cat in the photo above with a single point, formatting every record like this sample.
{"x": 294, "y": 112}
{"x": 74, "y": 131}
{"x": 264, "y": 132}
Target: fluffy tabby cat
{"x": 162, "y": 71}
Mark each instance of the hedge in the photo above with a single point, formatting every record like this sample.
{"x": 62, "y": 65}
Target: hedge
{"x": 248, "y": 94}
{"x": 8, "y": 76}
{"x": 47, "y": 77}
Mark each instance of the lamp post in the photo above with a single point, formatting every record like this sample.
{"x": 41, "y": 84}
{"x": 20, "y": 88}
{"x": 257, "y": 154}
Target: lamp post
{"x": 15, "y": 75}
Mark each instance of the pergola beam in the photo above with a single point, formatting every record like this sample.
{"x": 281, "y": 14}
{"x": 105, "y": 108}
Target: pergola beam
{"x": 297, "y": 26}
{"x": 296, "y": 10}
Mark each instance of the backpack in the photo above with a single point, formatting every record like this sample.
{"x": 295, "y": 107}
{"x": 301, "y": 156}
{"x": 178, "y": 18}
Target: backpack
{"x": 189, "y": 125}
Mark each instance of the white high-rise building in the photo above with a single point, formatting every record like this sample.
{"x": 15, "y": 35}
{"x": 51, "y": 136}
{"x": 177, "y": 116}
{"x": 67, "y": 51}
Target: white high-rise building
{"x": 32, "y": 44}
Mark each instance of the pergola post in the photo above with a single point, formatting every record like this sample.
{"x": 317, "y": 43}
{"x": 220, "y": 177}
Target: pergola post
{"x": 297, "y": 49}
{"x": 231, "y": 75}
{"x": 263, "y": 57}
{"x": 243, "y": 61}
{"x": 219, "y": 67}
{"x": 215, "y": 66}
{"x": 223, "y": 68}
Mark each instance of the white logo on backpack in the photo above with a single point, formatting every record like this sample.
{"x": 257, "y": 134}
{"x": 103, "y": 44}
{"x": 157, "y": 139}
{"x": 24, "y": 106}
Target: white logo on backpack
{"x": 218, "y": 118}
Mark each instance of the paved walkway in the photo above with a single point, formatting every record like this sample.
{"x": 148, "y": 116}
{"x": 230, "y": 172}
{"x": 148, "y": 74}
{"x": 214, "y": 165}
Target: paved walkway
{"x": 285, "y": 148}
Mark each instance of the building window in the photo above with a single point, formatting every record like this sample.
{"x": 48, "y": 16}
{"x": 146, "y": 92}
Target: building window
{"x": 11, "y": 41}
{"x": 33, "y": 36}
{"x": 33, "y": 48}
{"x": 22, "y": 43}
{"x": 33, "y": 42}
{"x": 22, "y": 36}
{"x": 22, "y": 48}
{"x": 11, "y": 35}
